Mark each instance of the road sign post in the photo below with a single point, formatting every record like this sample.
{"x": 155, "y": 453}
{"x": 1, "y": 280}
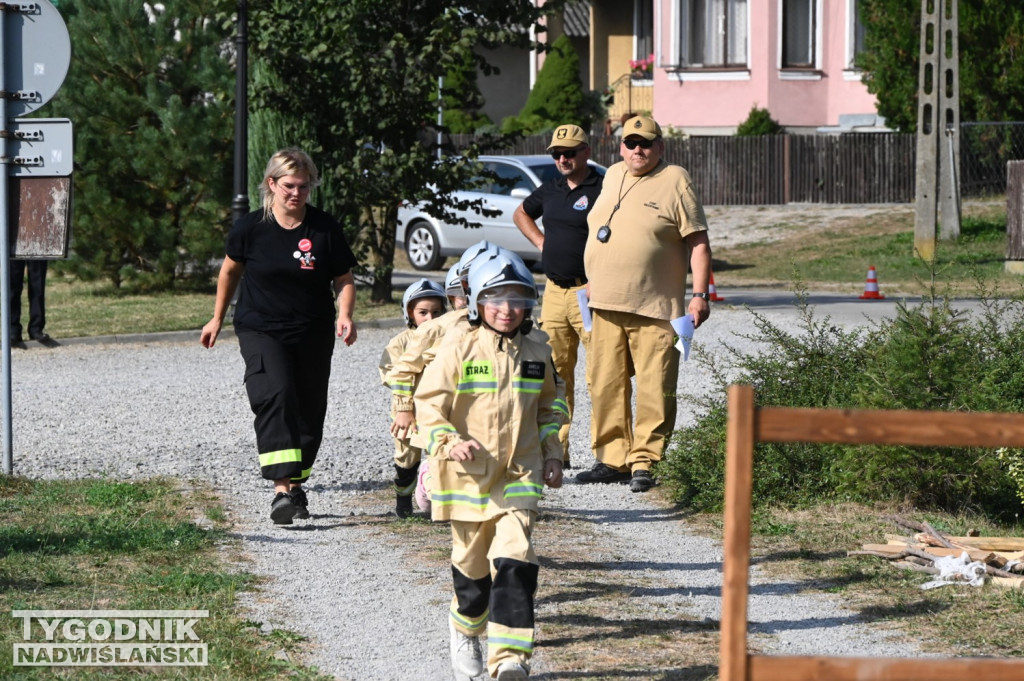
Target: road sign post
{"x": 35, "y": 49}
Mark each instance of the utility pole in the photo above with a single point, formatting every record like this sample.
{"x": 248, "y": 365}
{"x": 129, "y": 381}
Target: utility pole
{"x": 938, "y": 128}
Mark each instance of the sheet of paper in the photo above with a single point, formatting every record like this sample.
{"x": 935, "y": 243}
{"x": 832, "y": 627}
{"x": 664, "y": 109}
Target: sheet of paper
{"x": 684, "y": 329}
{"x": 581, "y": 295}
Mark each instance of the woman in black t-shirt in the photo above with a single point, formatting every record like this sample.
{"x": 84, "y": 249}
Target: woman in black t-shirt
{"x": 292, "y": 254}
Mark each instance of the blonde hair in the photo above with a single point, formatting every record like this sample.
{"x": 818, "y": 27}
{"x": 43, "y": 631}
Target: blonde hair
{"x": 284, "y": 162}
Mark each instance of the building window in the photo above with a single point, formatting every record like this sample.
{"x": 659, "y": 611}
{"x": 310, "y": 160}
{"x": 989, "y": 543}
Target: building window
{"x": 799, "y": 34}
{"x": 713, "y": 33}
{"x": 855, "y": 44}
{"x": 643, "y": 28}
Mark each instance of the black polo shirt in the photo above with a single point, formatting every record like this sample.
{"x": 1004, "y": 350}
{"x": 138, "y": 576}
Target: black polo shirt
{"x": 565, "y": 222}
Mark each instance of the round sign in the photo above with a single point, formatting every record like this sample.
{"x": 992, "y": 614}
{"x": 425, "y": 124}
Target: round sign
{"x": 37, "y": 54}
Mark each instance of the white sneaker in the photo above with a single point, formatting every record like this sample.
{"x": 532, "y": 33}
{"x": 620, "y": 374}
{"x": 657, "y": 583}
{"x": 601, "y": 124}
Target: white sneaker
{"x": 467, "y": 655}
{"x": 512, "y": 671}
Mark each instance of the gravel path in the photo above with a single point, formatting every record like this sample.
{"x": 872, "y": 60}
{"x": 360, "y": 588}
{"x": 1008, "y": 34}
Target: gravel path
{"x": 372, "y": 609}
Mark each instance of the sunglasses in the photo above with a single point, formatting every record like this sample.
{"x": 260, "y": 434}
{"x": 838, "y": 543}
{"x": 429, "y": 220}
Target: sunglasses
{"x": 571, "y": 153}
{"x": 633, "y": 144}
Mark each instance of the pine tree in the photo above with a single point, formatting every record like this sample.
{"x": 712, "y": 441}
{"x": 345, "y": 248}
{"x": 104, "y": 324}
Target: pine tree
{"x": 146, "y": 93}
{"x": 557, "y": 97}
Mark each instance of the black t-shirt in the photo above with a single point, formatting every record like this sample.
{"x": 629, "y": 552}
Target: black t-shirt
{"x": 286, "y": 290}
{"x": 565, "y": 222}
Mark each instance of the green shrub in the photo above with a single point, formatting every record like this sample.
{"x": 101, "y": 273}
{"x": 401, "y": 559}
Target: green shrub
{"x": 928, "y": 357}
{"x": 815, "y": 368}
{"x": 759, "y": 122}
{"x": 557, "y": 97}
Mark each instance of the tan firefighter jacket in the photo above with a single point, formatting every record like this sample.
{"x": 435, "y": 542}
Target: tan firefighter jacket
{"x": 419, "y": 352}
{"x": 503, "y": 393}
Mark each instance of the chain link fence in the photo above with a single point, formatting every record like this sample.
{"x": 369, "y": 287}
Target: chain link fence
{"x": 985, "y": 149}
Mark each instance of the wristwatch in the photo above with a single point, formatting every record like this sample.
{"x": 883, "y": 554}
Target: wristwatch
{"x": 705, "y": 296}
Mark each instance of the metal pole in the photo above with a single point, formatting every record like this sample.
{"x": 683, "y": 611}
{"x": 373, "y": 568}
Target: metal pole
{"x": 440, "y": 113}
{"x": 240, "y": 205}
{"x": 5, "y": 267}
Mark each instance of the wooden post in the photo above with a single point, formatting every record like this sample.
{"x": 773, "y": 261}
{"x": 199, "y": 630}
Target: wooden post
{"x": 1015, "y": 217}
{"x": 739, "y": 467}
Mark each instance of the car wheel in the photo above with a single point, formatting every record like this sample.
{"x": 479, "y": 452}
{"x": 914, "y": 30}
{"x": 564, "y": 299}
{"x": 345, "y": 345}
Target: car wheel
{"x": 422, "y": 248}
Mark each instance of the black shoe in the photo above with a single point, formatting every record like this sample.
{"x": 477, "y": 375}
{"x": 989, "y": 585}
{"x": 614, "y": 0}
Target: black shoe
{"x": 566, "y": 465}
{"x": 44, "y": 340}
{"x": 298, "y": 496}
{"x": 18, "y": 342}
{"x": 641, "y": 481}
{"x": 403, "y": 506}
{"x": 602, "y": 473}
{"x": 282, "y": 509}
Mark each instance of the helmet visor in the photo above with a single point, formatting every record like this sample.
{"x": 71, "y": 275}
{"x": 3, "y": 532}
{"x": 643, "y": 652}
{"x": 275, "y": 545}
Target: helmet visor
{"x": 517, "y": 296}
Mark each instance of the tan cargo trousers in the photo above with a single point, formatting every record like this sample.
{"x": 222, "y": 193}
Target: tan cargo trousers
{"x": 621, "y": 345}
{"x": 494, "y": 570}
{"x": 561, "y": 319}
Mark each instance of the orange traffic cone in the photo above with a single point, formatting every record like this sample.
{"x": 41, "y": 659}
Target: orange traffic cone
{"x": 711, "y": 289}
{"x": 871, "y": 286}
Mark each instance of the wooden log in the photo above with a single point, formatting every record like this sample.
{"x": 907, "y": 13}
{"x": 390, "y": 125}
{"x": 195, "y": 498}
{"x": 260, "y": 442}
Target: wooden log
{"x": 1009, "y": 582}
{"x": 991, "y": 543}
{"x": 987, "y": 557}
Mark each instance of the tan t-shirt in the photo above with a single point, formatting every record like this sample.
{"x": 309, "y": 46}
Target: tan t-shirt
{"x": 642, "y": 268}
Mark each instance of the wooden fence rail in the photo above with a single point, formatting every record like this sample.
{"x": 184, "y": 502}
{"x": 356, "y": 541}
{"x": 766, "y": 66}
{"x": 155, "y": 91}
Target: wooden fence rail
{"x": 748, "y": 425}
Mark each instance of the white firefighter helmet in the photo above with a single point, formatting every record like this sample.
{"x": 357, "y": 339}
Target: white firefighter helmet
{"x": 453, "y": 283}
{"x": 503, "y": 277}
{"x": 424, "y": 288}
{"x": 471, "y": 254}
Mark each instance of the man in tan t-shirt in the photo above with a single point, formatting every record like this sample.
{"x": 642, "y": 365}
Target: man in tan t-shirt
{"x": 646, "y": 229}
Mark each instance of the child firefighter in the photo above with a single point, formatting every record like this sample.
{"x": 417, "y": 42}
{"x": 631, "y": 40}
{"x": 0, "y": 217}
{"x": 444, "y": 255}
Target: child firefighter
{"x": 423, "y": 300}
{"x": 489, "y": 408}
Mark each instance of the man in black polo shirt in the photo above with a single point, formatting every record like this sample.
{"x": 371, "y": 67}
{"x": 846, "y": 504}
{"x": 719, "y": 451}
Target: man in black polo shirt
{"x": 564, "y": 202}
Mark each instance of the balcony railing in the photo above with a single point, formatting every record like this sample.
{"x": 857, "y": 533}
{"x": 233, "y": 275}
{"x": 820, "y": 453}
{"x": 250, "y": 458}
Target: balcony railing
{"x": 631, "y": 96}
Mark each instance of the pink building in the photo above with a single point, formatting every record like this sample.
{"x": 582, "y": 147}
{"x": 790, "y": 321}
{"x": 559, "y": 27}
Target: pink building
{"x": 715, "y": 59}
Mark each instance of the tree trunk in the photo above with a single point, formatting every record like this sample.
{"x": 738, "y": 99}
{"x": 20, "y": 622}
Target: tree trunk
{"x": 380, "y": 225}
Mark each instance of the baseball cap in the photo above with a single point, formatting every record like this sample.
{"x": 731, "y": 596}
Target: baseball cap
{"x": 642, "y": 127}
{"x": 568, "y": 136}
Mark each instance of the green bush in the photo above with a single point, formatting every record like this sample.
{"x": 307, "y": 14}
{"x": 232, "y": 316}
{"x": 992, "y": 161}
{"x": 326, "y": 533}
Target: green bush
{"x": 759, "y": 122}
{"x": 928, "y": 357}
{"x": 556, "y": 98}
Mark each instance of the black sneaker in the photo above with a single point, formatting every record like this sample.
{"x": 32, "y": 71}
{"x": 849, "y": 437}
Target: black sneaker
{"x": 403, "y": 506}
{"x": 602, "y": 473}
{"x": 283, "y": 509}
{"x": 18, "y": 342}
{"x": 298, "y": 496}
{"x": 566, "y": 465}
{"x": 641, "y": 481}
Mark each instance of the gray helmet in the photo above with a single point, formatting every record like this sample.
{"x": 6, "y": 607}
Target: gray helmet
{"x": 471, "y": 254}
{"x": 424, "y": 288}
{"x": 503, "y": 270}
{"x": 453, "y": 283}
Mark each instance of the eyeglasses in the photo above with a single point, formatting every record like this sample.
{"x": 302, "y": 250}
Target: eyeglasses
{"x": 570, "y": 153}
{"x": 633, "y": 144}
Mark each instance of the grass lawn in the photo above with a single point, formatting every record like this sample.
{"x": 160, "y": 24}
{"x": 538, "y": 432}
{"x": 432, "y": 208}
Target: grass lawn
{"x": 102, "y": 545}
{"x": 75, "y": 309}
{"x": 838, "y": 257}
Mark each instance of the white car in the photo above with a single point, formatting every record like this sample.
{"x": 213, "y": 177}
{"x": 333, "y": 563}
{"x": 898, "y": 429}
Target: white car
{"x": 428, "y": 242}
